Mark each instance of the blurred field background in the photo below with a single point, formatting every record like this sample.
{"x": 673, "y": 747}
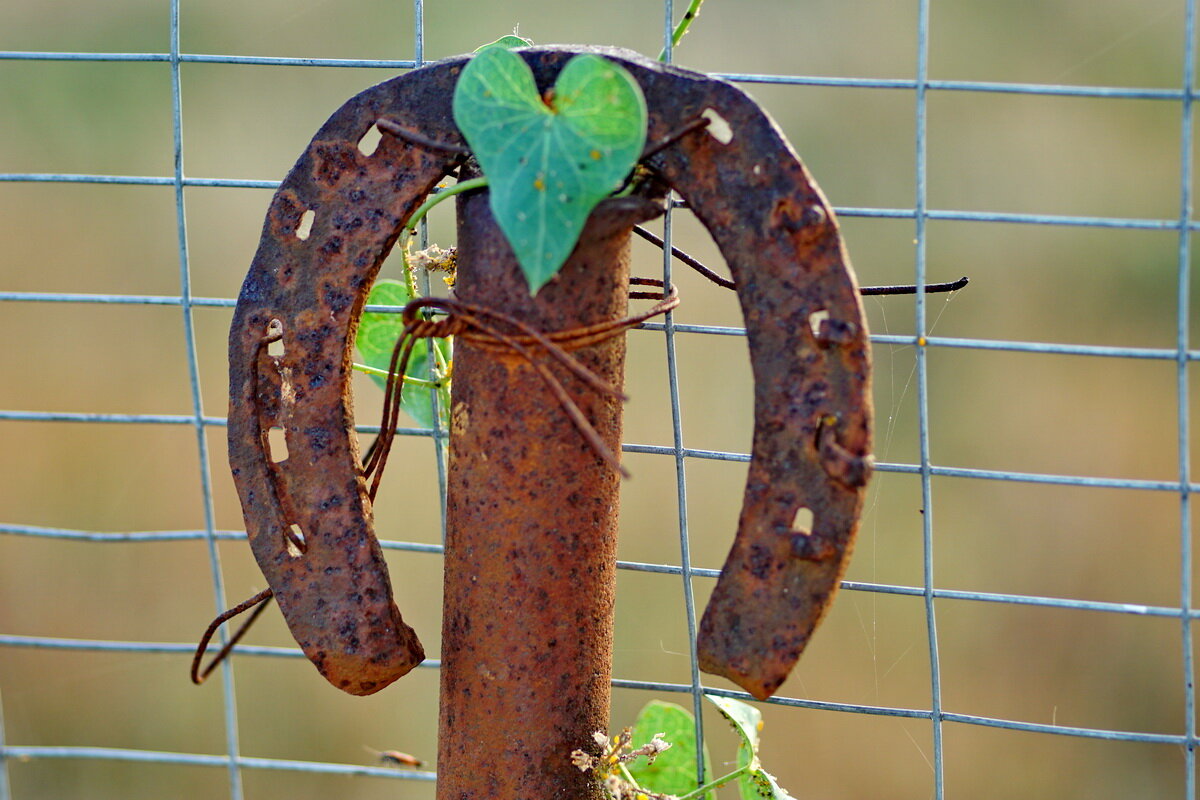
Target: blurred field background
{"x": 987, "y": 152}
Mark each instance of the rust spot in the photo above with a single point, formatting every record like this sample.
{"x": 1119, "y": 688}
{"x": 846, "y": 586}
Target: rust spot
{"x": 760, "y": 561}
{"x": 337, "y": 300}
{"x": 285, "y": 213}
{"x": 803, "y": 216}
{"x": 832, "y": 332}
{"x": 332, "y": 246}
{"x": 810, "y": 547}
{"x": 335, "y": 162}
{"x": 840, "y": 464}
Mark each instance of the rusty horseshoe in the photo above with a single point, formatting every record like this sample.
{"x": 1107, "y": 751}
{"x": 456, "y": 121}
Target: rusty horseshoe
{"x": 335, "y": 217}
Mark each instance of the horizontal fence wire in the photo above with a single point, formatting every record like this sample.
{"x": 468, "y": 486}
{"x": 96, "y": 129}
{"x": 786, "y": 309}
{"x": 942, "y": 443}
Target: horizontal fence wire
{"x": 684, "y": 452}
{"x": 901, "y": 84}
{"x": 61, "y": 534}
{"x": 920, "y": 87}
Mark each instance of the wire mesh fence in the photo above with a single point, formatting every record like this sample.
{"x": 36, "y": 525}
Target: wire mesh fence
{"x": 1030, "y": 526}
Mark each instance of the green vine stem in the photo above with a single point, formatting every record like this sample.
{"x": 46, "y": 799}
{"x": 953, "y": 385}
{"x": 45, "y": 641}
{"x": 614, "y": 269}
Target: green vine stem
{"x": 718, "y": 783}
{"x": 682, "y": 28}
{"x": 410, "y": 227}
{"x": 383, "y": 373}
{"x": 442, "y": 368}
{"x": 699, "y": 791}
{"x": 410, "y": 279}
{"x": 445, "y": 194}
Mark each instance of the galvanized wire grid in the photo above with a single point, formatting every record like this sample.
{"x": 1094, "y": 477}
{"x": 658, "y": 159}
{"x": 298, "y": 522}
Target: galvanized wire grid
{"x": 920, "y": 214}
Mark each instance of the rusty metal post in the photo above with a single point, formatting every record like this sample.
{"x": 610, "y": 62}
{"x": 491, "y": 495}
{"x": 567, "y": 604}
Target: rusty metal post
{"x": 531, "y": 524}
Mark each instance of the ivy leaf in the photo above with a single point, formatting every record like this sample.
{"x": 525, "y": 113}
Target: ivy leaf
{"x": 550, "y": 160}
{"x": 746, "y": 720}
{"x": 674, "y": 770}
{"x": 377, "y": 335}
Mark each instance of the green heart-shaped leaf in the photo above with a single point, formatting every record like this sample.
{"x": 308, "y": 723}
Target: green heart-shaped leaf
{"x": 549, "y": 161}
{"x": 377, "y": 335}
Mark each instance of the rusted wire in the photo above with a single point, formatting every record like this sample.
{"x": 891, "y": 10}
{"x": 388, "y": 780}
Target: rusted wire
{"x": 393, "y": 129}
{"x": 478, "y": 325}
{"x": 865, "y": 291}
{"x": 261, "y": 599}
{"x": 377, "y": 453}
{"x": 685, "y": 258}
{"x": 691, "y": 126}
{"x": 575, "y": 338}
{"x": 274, "y": 334}
{"x": 950, "y": 286}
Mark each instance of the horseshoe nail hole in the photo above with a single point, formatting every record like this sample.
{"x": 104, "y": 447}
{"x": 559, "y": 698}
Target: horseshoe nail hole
{"x": 815, "y": 319}
{"x": 802, "y": 522}
{"x": 306, "y": 223}
{"x": 277, "y": 444}
{"x": 369, "y": 141}
{"x": 293, "y": 537}
{"x": 717, "y": 126}
{"x": 275, "y": 334}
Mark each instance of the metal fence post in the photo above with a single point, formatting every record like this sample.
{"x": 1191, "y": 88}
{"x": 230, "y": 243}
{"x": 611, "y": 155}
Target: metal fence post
{"x": 531, "y": 524}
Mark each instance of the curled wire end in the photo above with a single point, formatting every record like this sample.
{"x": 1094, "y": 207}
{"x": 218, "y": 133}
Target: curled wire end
{"x": 930, "y": 288}
{"x": 260, "y": 600}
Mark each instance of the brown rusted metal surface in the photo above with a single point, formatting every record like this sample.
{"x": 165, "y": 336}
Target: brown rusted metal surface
{"x": 811, "y": 360}
{"x": 531, "y": 527}
{"x": 808, "y": 347}
{"x": 310, "y": 286}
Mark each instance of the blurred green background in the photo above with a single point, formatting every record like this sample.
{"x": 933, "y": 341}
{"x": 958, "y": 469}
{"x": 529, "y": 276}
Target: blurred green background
{"x": 989, "y": 152}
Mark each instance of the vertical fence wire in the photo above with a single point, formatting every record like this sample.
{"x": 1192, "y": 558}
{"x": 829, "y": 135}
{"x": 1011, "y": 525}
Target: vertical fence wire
{"x": 1182, "y": 356}
{"x": 685, "y": 556}
{"x": 440, "y": 434}
{"x": 228, "y": 695}
{"x": 1181, "y": 384}
{"x": 920, "y": 124}
{"x": 5, "y": 786}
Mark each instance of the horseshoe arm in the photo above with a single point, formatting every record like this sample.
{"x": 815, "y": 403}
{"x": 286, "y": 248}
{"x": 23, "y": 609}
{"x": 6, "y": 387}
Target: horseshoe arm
{"x": 330, "y": 224}
{"x": 810, "y": 355}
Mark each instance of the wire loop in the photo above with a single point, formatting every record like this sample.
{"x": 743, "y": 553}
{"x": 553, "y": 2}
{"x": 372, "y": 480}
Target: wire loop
{"x": 498, "y": 332}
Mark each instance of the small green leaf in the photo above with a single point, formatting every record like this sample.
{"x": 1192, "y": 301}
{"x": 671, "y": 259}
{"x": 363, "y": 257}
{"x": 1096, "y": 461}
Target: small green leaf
{"x": 746, "y": 721}
{"x": 550, "y": 160}
{"x": 377, "y": 335}
{"x": 674, "y": 771}
{"x": 760, "y": 785}
{"x": 507, "y": 42}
